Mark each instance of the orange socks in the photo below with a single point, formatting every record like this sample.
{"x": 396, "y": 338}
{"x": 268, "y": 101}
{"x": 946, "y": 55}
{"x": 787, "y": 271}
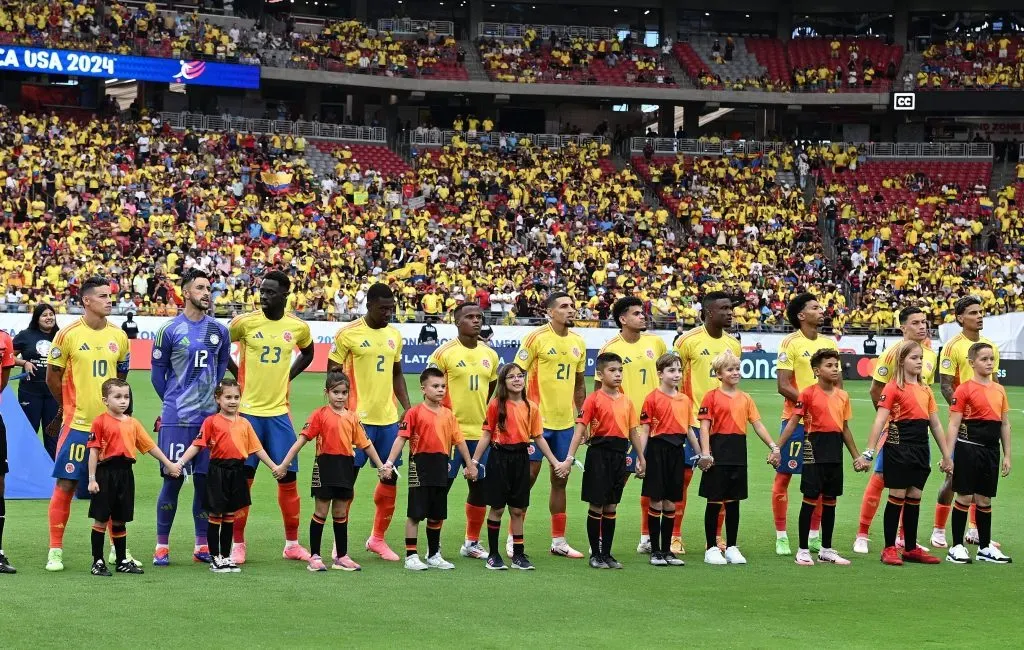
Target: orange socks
{"x": 645, "y": 505}
{"x": 241, "y": 518}
{"x": 677, "y": 524}
{"x": 869, "y": 504}
{"x": 288, "y": 500}
{"x": 972, "y": 521}
{"x": 59, "y": 512}
{"x": 475, "y": 516}
{"x": 384, "y": 498}
{"x": 816, "y": 515}
{"x": 780, "y": 500}
{"x": 942, "y": 515}
{"x": 558, "y": 525}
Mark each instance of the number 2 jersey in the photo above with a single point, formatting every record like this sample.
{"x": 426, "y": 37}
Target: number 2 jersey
{"x": 189, "y": 359}
{"x": 265, "y": 359}
{"x": 88, "y": 357}
{"x": 368, "y": 356}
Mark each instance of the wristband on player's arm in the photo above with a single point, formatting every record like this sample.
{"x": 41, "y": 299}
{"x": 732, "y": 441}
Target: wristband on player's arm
{"x": 869, "y": 454}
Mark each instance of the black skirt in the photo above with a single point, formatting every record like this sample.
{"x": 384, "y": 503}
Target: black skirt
{"x": 227, "y": 489}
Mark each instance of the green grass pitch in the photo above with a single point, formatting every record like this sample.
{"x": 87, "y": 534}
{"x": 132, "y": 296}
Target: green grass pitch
{"x": 277, "y": 603}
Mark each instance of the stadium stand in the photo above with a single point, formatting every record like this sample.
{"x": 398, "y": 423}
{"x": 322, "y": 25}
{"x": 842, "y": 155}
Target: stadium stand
{"x": 968, "y": 62}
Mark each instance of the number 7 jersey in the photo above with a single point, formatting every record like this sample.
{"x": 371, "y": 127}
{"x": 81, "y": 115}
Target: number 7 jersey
{"x": 368, "y": 356}
{"x": 265, "y": 359}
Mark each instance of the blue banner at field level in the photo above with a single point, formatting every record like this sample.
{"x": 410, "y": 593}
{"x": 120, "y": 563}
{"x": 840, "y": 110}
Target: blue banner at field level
{"x": 116, "y": 66}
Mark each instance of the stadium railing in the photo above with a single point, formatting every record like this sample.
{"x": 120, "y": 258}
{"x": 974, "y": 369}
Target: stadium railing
{"x": 411, "y": 26}
{"x": 320, "y": 130}
{"x": 693, "y": 147}
{"x": 518, "y": 31}
{"x": 547, "y": 140}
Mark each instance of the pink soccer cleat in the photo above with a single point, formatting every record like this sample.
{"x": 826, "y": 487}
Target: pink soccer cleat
{"x": 295, "y": 552}
{"x": 238, "y": 553}
{"x": 316, "y": 564}
{"x": 381, "y": 548}
{"x": 345, "y": 563}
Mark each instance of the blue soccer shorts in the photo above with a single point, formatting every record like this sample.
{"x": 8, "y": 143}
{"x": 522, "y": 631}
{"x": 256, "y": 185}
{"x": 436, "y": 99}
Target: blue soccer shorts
{"x": 792, "y": 452}
{"x": 382, "y": 437}
{"x": 72, "y": 459}
{"x": 276, "y": 434}
{"x": 455, "y": 463}
{"x": 559, "y": 441}
{"x": 174, "y": 440}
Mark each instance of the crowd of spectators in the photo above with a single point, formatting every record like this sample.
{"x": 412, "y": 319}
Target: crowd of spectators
{"x": 973, "y": 61}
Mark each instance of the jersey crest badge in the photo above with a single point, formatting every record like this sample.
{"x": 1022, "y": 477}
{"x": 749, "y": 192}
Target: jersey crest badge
{"x": 112, "y": 347}
{"x": 214, "y": 339}
{"x": 287, "y": 336}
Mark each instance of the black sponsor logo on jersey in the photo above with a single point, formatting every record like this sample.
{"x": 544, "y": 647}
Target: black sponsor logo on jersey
{"x": 705, "y": 353}
{"x": 364, "y": 344}
{"x": 806, "y": 353}
{"x": 85, "y": 347}
{"x": 404, "y": 426}
{"x": 626, "y": 360}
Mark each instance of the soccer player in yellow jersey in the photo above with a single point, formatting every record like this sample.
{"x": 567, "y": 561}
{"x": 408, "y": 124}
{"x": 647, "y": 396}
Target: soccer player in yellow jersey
{"x": 83, "y": 356}
{"x": 266, "y": 339}
{"x": 555, "y": 358}
{"x": 794, "y": 374}
{"x": 369, "y": 351}
{"x": 471, "y": 372}
{"x": 955, "y": 369}
{"x": 697, "y": 349}
{"x": 640, "y": 352}
{"x": 914, "y": 323}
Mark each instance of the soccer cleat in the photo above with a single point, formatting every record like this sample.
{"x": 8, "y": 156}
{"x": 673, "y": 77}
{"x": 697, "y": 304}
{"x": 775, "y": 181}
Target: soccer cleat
{"x": 958, "y": 555}
{"x": 891, "y": 556}
{"x": 919, "y": 556}
{"x": 714, "y": 556}
{"x": 5, "y": 565}
{"x": 381, "y": 548}
{"x": 657, "y": 559}
{"x": 992, "y": 553}
{"x": 55, "y": 560}
{"x": 860, "y": 545}
{"x": 232, "y": 567}
{"x": 677, "y": 546}
{"x": 814, "y": 544}
{"x": 201, "y": 555}
{"x": 803, "y": 557}
{"x": 295, "y": 552}
{"x": 832, "y": 557}
{"x": 414, "y": 563}
{"x": 345, "y": 563}
{"x": 219, "y": 565}
{"x": 673, "y": 560}
{"x": 112, "y": 557}
{"x": 611, "y": 562}
{"x": 161, "y": 556}
{"x": 782, "y": 546}
{"x": 129, "y": 566}
{"x": 509, "y": 550}
{"x": 495, "y": 563}
{"x": 238, "y": 553}
{"x": 564, "y": 550}
{"x": 939, "y": 538}
{"x": 733, "y": 556}
{"x": 597, "y": 562}
{"x": 522, "y": 562}
{"x": 644, "y": 546}
{"x": 316, "y": 564}
{"x": 435, "y": 561}
{"x": 99, "y": 568}
{"x": 473, "y": 550}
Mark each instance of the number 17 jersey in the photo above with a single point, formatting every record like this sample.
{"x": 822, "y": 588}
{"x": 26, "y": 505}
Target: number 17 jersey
{"x": 368, "y": 356}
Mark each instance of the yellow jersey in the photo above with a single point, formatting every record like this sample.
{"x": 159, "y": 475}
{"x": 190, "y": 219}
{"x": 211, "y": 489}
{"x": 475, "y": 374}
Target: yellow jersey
{"x": 697, "y": 349}
{"x": 885, "y": 369}
{"x": 953, "y": 361}
{"x": 469, "y": 372}
{"x": 88, "y": 357}
{"x": 639, "y": 373}
{"x": 552, "y": 363}
{"x": 265, "y": 359}
{"x": 795, "y": 354}
{"x": 368, "y": 357}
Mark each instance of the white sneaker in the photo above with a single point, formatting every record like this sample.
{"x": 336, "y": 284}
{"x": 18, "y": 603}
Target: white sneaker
{"x": 437, "y": 562}
{"x": 832, "y": 557}
{"x": 939, "y": 538}
{"x": 733, "y": 556}
{"x": 860, "y": 545}
{"x": 562, "y": 548}
{"x": 473, "y": 550}
{"x": 714, "y": 556}
{"x": 645, "y": 545}
{"x": 992, "y": 554}
{"x": 508, "y": 547}
{"x": 803, "y": 557}
{"x": 958, "y": 555}
{"x": 972, "y": 536}
{"x": 414, "y": 563}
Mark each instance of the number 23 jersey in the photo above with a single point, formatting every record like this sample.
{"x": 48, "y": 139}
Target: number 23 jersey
{"x": 265, "y": 359}
{"x": 368, "y": 357}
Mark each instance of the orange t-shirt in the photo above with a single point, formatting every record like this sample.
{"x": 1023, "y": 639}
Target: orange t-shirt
{"x": 910, "y": 409}
{"x": 667, "y": 414}
{"x": 336, "y": 434}
{"x": 430, "y": 432}
{"x": 119, "y": 438}
{"x": 609, "y": 417}
{"x": 825, "y": 416}
{"x": 522, "y": 423}
{"x": 228, "y": 439}
{"x": 982, "y": 407}
{"x": 728, "y": 417}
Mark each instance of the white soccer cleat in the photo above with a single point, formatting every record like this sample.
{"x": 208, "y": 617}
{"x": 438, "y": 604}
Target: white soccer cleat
{"x": 644, "y": 546}
{"x": 563, "y": 549}
{"x": 860, "y": 545}
{"x": 733, "y": 556}
{"x": 972, "y": 537}
{"x": 939, "y": 538}
{"x": 714, "y": 556}
{"x": 414, "y": 563}
{"x": 473, "y": 550}
{"x": 437, "y": 562}
{"x": 958, "y": 555}
{"x": 832, "y": 557}
{"x": 992, "y": 554}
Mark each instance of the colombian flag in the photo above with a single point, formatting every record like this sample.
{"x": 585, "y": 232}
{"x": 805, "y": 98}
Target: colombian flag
{"x": 277, "y": 182}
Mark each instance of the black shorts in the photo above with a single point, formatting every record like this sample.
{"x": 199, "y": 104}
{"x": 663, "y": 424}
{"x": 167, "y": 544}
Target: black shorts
{"x": 4, "y": 467}
{"x": 604, "y": 476}
{"x": 905, "y": 466}
{"x": 724, "y": 483}
{"x": 227, "y": 489}
{"x": 822, "y": 479}
{"x": 508, "y": 477}
{"x": 663, "y": 478}
{"x": 334, "y": 476}
{"x": 428, "y": 502}
{"x": 116, "y": 498}
{"x": 975, "y": 469}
